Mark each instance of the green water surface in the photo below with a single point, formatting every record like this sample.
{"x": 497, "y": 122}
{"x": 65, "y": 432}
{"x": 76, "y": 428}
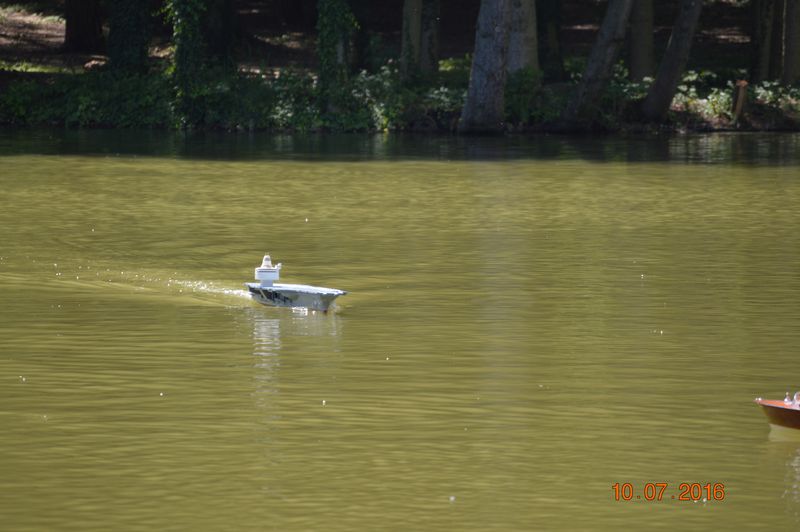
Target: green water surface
{"x": 529, "y": 321}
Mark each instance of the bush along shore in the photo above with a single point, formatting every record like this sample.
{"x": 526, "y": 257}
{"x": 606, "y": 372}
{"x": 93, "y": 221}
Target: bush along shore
{"x": 380, "y": 101}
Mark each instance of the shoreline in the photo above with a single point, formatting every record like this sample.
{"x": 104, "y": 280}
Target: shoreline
{"x": 106, "y": 99}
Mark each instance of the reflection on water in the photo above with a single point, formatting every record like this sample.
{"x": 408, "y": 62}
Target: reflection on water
{"x": 780, "y": 469}
{"x": 792, "y": 481}
{"x": 266, "y": 337}
{"x": 528, "y": 322}
{"x": 755, "y": 148}
{"x": 783, "y": 434}
{"x": 266, "y": 349}
{"x": 267, "y": 331}
{"x": 784, "y": 451}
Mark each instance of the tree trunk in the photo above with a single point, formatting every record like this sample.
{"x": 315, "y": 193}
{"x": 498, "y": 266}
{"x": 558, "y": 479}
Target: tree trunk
{"x": 641, "y": 43}
{"x": 582, "y": 105}
{"x": 420, "y": 38}
{"x": 485, "y": 106}
{"x": 763, "y": 16}
{"x": 360, "y": 52}
{"x": 129, "y": 36}
{"x": 523, "y": 49}
{"x": 429, "y": 38}
{"x": 411, "y": 37}
{"x": 219, "y": 28}
{"x": 298, "y": 13}
{"x": 548, "y": 22}
{"x": 776, "y": 47}
{"x": 84, "y": 31}
{"x": 791, "y": 51}
{"x": 660, "y": 95}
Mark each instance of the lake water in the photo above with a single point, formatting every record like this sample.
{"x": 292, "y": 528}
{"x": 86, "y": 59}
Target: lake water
{"x": 529, "y": 322}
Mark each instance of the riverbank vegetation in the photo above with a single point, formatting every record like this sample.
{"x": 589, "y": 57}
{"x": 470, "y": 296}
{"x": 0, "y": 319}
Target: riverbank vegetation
{"x": 430, "y": 65}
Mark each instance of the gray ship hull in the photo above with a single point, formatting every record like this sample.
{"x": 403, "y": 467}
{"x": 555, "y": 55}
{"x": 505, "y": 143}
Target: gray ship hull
{"x": 294, "y": 295}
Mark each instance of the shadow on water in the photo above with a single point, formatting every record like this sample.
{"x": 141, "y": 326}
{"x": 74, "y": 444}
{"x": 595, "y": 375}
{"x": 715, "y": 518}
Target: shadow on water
{"x": 721, "y": 148}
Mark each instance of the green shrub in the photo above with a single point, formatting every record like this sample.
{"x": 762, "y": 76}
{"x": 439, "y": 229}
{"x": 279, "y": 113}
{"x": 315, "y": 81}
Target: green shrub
{"x": 101, "y": 98}
{"x": 296, "y": 102}
{"x": 444, "y": 105}
{"x": 454, "y": 71}
{"x": 720, "y": 101}
{"x": 520, "y": 96}
{"x": 17, "y": 100}
{"x": 219, "y": 98}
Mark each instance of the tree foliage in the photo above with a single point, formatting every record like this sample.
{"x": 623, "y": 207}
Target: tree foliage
{"x": 336, "y": 26}
{"x": 186, "y": 16}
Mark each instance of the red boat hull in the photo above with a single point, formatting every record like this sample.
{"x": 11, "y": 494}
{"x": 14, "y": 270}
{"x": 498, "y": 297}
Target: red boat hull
{"x": 780, "y": 414}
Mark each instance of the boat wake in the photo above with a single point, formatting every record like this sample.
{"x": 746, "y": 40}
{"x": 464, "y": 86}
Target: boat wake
{"x": 81, "y": 275}
{"x": 203, "y": 287}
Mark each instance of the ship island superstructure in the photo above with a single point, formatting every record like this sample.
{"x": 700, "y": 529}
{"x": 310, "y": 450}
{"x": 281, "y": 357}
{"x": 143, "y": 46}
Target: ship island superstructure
{"x": 267, "y": 292}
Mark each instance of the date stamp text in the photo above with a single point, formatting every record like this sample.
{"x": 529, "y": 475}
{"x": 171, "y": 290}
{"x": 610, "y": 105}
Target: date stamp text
{"x": 659, "y": 491}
